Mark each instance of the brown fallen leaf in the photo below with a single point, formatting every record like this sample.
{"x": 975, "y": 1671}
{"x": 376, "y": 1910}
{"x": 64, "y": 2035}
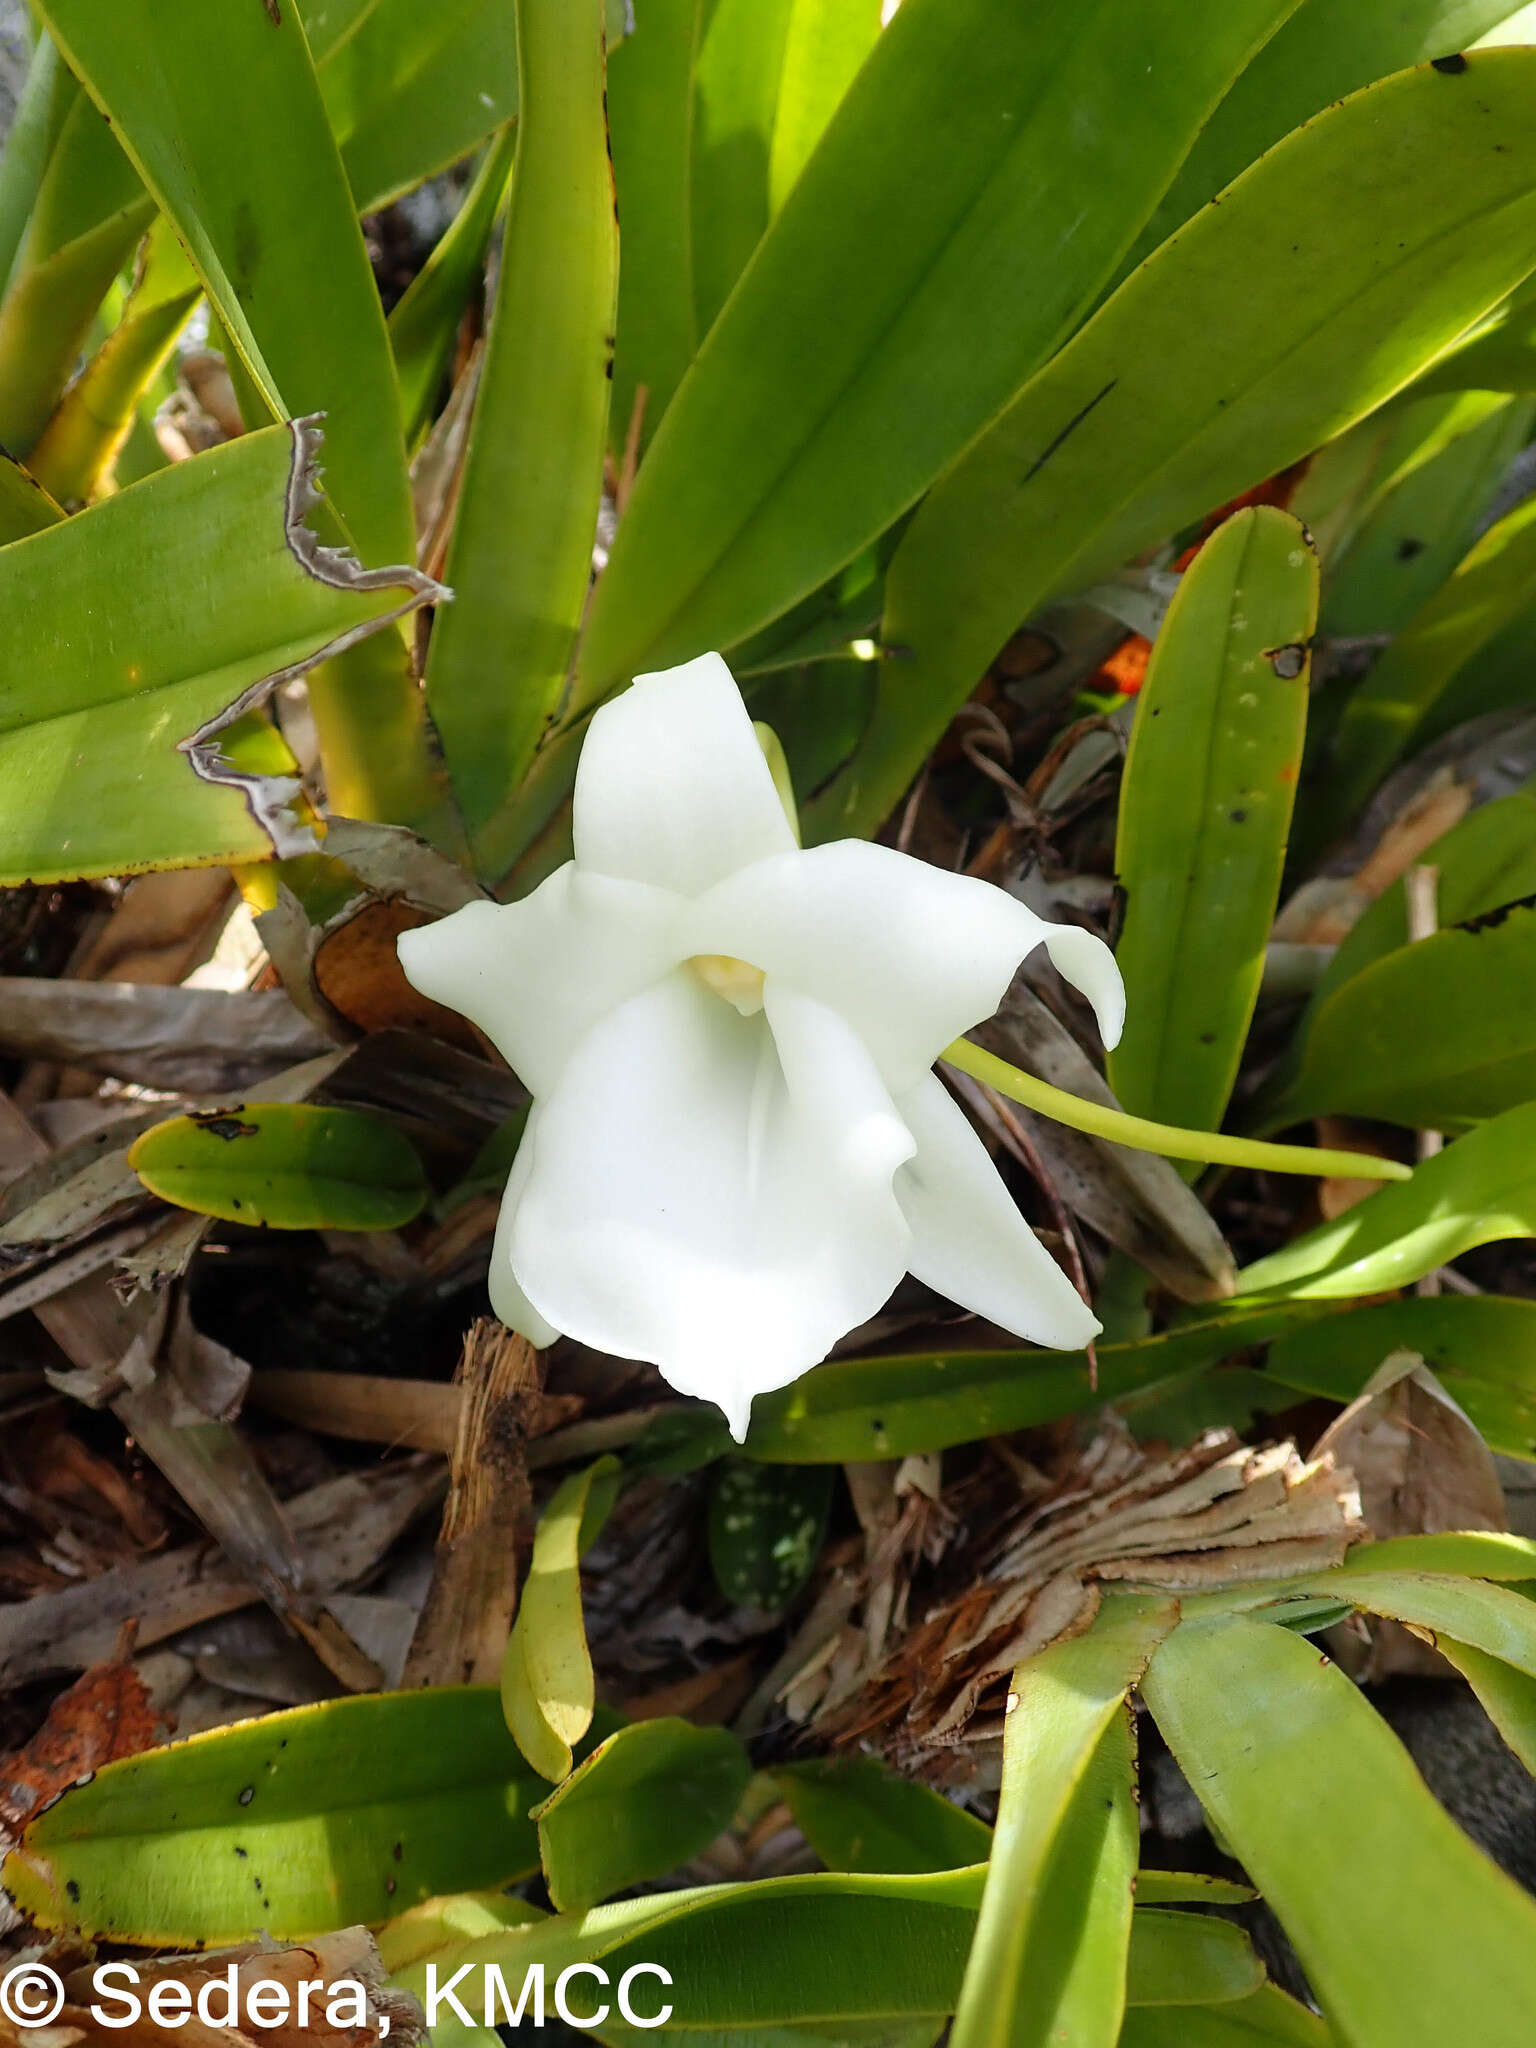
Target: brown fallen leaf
{"x": 358, "y": 973}
{"x": 103, "y": 1716}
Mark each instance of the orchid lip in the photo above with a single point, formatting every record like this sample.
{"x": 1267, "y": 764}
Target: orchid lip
{"x": 738, "y": 982}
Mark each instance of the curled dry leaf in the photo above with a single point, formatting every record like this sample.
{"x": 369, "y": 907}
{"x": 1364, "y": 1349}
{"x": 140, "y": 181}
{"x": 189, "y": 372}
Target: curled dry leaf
{"x": 103, "y": 1716}
{"x": 1421, "y": 1467}
{"x": 1419, "y": 1460}
{"x": 347, "y": 973}
{"x": 194, "y": 1039}
{"x": 1026, "y": 1567}
{"x": 357, "y": 972}
{"x": 1139, "y": 1202}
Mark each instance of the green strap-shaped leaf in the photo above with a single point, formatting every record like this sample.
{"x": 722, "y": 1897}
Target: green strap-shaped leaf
{"x": 897, "y": 1406}
{"x": 815, "y": 1951}
{"x": 1266, "y": 326}
{"x": 1347, "y": 481}
{"x": 92, "y": 420}
{"x": 45, "y": 100}
{"x": 768, "y": 77}
{"x": 92, "y": 721}
{"x": 1322, "y": 53}
{"x": 1481, "y": 1188}
{"x": 1499, "y": 354}
{"x": 292, "y": 1824}
{"x": 1049, "y": 1959}
{"x": 1482, "y": 1346}
{"x": 1498, "y": 1620}
{"x": 423, "y": 327}
{"x": 649, "y": 1798}
{"x": 1389, "y": 710}
{"x": 289, "y": 1166}
{"x": 1486, "y": 861}
{"x": 251, "y": 179}
{"x": 522, "y": 544}
{"x": 1414, "y": 538}
{"x": 858, "y": 1814}
{"x": 1267, "y": 2019}
{"x": 1471, "y": 1553}
{"x": 89, "y": 211}
{"x": 1508, "y": 1696}
{"x": 1470, "y": 1054}
{"x": 1205, "y": 807}
{"x": 414, "y": 88}
{"x": 651, "y": 111}
{"x": 1322, "y": 1804}
{"x": 547, "y": 1691}
{"x": 921, "y": 268}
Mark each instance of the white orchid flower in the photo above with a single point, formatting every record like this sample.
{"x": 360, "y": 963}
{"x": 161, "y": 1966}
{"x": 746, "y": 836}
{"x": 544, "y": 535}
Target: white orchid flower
{"x": 738, "y": 1144}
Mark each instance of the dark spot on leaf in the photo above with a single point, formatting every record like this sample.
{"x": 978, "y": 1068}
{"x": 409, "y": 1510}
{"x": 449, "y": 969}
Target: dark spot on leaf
{"x": 1207, "y": 1038}
{"x": 247, "y": 1794}
{"x": 73, "y": 1889}
{"x": 1238, "y": 817}
{"x": 223, "y": 1123}
{"x": 398, "y": 1851}
{"x": 243, "y": 1854}
{"x": 1288, "y": 661}
{"x": 1451, "y": 67}
{"x": 1408, "y": 548}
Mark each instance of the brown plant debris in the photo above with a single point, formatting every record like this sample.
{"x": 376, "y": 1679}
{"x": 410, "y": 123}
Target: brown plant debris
{"x": 103, "y": 1716}
{"x": 917, "y": 1637}
{"x": 462, "y": 1635}
{"x": 347, "y": 2003}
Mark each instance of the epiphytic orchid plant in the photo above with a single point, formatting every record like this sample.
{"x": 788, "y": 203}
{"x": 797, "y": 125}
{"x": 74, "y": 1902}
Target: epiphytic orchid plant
{"x": 1089, "y": 434}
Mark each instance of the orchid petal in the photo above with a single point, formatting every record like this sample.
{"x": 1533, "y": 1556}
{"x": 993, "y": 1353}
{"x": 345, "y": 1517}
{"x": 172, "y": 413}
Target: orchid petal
{"x": 672, "y": 787}
{"x": 1083, "y": 959}
{"x": 507, "y": 1297}
{"x": 537, "y": 975}
{"x": 912, "y": 956}
{"x": 969, "y": 1242}
{"x": 714, "y": 1192}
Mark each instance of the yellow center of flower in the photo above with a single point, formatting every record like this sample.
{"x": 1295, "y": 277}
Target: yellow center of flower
{"x": 736, "y": 980}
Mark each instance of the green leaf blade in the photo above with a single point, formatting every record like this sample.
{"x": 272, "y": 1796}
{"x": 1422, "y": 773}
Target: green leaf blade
{"x": 647, "y": 1799}
{"x": 285, "y": 1166}
{"x": 1324, "y": 1807}
{"x": 918, "y": 272}
{"x": 522, "y": 546}
{"x": 1205, "y": 808}
{"x": 345, "y": 1812}
{"x": 1270, "y": 323}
